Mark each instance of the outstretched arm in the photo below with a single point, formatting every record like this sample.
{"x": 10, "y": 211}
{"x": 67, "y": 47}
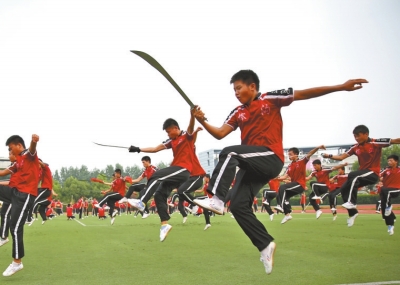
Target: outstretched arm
{"x": 335, "y": 157}
{"x": 216, "y": 132}
{"x": 32, "y": 147}
{"x": 147, "y": 149}
{"x": 395, "y": 141}
{"x": 311, "y": 152}
{"x": 339, "y": 166}
{"x": 350, "y": 85}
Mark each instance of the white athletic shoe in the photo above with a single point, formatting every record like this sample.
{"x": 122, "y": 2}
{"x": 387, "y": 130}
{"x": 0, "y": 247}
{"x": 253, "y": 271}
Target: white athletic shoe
{"x": 213, "y": 204}
{"x": 318, "y": 214}
{"x": 3, "y": 241}
{"x": 350, "y": 221}
{"x": 271, "y": 217}
{"x": 286, "y": 219}
{"x": 114, "y": 213}
{"x": 97, "y": 206}
{"x": 43, "y": 222}
{"x": 388, "y": 211}
{"x": 334, "y": 217}
{"x": 123, "y": 200}
{"x": 184, "y": 220}
{"x": 13, "y": 268}
{"x": 349, "y": 205}
{"x": 267, "y": 257}
{"x": 232, "y": 216}
{"x": 188, "y": 209}
{"x": 316, "y": 198}
{"x": 333, "y": 209}
{"x": 112, "y": 220}
{"x": 165, "y": 229}
{"x": 195, "y": 209}
{"x": 145, "y": 215}
{"x": 207, "y": 226}
{"x": 391, "y": 230}
{"x": 265, "y": 202}
{"x": 31, "y": 222}
{"x": 137, "y": 203}
{"x": 279, "y": 208}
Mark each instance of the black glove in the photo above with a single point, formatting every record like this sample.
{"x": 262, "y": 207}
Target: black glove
{"x": 134, "y": 149}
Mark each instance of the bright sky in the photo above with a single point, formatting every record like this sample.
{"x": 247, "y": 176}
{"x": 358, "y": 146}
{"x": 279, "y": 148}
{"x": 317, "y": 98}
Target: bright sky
{"x": 66, "y": 72}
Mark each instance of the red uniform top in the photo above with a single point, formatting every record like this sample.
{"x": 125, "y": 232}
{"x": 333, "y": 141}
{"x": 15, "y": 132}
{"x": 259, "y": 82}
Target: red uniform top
{"x": 197, "y": 170}
{"x": 49, "y": 211}
{"x": 261, "y": 122}
{"x": 13, "y": 178}
{"x": 148, "y": 172}
{"x": 322, "y": 176}
{"x": 302, "y": 199}
{"x": 205, "y": 190}
{"x": 274, "y": 184}
{"x": 27, "y": 167}
{"x": 85, "y": 204}
{"x": 79, "y": 204}
{"x": 255, "y": 201}
{"x": 69, "y": 211}
{"x": 185, "y": 203}
{"x": 94, "y": 202}
{"x": 182, "y": 148}
{"x": 153, "y": 203}
{"x": 340, "y": 180}
{"x": 101, "y": 212}
{"x": 118, "y": 185}
{"x": 369, "y": 153}
{"x": 58, "y": 204}
{"x": 47, "y": 178}
{"x": 297, "y": 171}
{"x": 391, "y": 177}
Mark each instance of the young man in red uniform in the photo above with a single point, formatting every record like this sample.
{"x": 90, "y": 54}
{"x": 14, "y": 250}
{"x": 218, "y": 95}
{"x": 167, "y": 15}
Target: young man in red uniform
{"x": 94, "y": 208}
{"x": 269, "y": 195}
{"x": 139, "y": 187}
{"x": 79, "y": 207}
{"x": 368, "y": 152}
{"x": 260, "y": 155}
{"x": 59, "y": 207}
{"x": 169, "y": 178}
{"x": 207, "y": 213}
{"x": 114, "y": 194}
{"x": 21, "y": 195}
{"x": 70, "y": 214}
{"x": 320, "y": 188}
{"x": 391, "y": 188}
{"x": 296, "y": 171}
{"x": 337, "y": 182}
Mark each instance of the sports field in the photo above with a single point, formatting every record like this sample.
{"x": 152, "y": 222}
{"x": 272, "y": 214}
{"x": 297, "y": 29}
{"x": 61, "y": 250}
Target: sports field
{"x": 309, "y": 251}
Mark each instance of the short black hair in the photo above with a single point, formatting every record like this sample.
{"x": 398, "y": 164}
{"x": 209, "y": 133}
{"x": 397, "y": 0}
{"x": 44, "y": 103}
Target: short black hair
{"x": 118, "y": 171}
{"x": 146, "y": 158}
{"x": 317, "y": 161}
{"x": 208, "y": 175}
{"x": 360, "y": 129}
{"x": 295, "y": 150}
{"x": 394, "y": 157}
{"x": 342, "y": 168}
{"x": 169, "y": 123}
{"x": 247, "y": 76}
{"x": 15, "y": 139}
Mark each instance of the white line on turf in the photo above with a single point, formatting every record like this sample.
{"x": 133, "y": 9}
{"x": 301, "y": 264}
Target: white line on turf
{"x": 80, "y": 222}
{"x": 374, "y": 283}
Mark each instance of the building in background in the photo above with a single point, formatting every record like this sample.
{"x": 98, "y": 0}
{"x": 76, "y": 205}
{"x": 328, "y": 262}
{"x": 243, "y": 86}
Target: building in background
{"x": 209, "y": 159}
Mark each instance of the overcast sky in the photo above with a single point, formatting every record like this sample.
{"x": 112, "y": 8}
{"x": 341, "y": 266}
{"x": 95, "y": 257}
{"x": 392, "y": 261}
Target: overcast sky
{"x": 67, "y": 73}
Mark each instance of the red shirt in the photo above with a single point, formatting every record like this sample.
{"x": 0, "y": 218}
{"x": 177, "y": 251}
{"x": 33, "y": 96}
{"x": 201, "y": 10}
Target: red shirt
{"x": 69, "y": 211}
{"x": 274, "y": 184}
{"x": 118, "y": 185}
{"x": 79, "y": 204}
{"x": 322, "y": 176}
{"x": 49, "y": 211}
{"x": 47, "y": 178}
{"x": 297, "y": 171}
{"x": 149, "y": 171}
{"x": 182, "y": 148}
{"x": 101, "y": 212}
{"x": 205, "y": 190}
{"x": 391, "y": 177}
{"x": 369, "y": 153}
{"x": 27, "y": 167}
{"x": 58, "y": 205}
{"x": 340, "y": 180}
{"x": 255, "y": 201}
{"x": 261, "y": 121}
{"x": 153, "y": 203}
{"x": 197, "y": 170}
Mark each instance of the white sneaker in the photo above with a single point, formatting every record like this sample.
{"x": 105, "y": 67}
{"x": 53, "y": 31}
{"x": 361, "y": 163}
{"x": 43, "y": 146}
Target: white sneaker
{"x": 271, "y": 217}
{"x": 265, "y": 202}
{"x": 388, "y": 211}
{"x": 333, "y": 209}
{"x": 350, "y": 221}
{"x": 188, "y": 209}
{"x": 114, "y": 213}
{"x": 318, "y": 214}
{"x": 31, "y": 222}
{"x": 13, "y": 268}
{"x": 4, "y": 241}
{"x": 97, "y": 206}
{"x": 43, "y": 222}
{"x": 213, "y": 204}
{"x": 136, "y": 203}
{"x": 391, "y": 230}
{"x": 145, "y": 215}
{"x": 279, "y": 208}
{"x": 232, "y": 216}
{"x": 286, "y": 219}
{"x": 195, "y": 209}
{"x": 165, "y": 229}
{"x": 267, "y": 257}
{"x": 112, "y": 220}
{"x": 334, "y": 217}
{"x": 184, "y": 220}
{"x": 349, "y": 205}
{"x": 123, "y": 200}
{"x": 316, "y": 198}
{"x": 207, "y": 226}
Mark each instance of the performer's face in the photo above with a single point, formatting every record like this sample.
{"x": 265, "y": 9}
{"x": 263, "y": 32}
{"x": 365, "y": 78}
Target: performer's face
{"x": 173, "y": 132}
{"x": 243, "y": 92}
{"x": 361, "y": 137}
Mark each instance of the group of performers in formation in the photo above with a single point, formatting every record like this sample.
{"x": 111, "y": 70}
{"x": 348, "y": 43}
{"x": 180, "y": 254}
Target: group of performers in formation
{"x": 259, "y": 158}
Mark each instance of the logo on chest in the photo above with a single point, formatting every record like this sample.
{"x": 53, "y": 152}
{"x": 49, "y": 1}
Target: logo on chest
{"x": 265, "y": 110}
